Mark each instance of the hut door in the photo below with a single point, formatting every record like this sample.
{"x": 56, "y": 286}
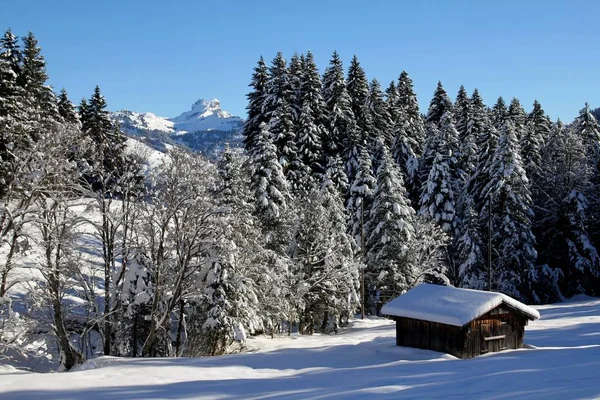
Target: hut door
{"x": 493, "y": 336}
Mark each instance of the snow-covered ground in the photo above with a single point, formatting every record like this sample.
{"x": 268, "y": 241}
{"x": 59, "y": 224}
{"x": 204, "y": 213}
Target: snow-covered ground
{"x": 562, "y": 361}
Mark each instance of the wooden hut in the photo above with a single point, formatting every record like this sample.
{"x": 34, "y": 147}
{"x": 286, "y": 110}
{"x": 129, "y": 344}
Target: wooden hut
{"x": 461, "y": 322}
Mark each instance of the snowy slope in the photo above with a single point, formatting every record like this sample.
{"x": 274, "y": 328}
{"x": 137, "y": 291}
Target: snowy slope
{"x": 362, "y": 362}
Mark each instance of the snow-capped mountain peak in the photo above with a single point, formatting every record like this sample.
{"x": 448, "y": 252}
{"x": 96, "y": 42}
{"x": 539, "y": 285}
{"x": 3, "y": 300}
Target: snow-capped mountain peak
{"x": 204, "y": 127}
{"x": 207, "y": 108}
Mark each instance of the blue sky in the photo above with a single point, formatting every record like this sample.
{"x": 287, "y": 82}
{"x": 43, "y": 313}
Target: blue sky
{"x": 161, "y": 56}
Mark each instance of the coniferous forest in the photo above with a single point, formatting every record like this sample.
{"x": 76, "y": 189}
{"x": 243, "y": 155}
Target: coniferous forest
{"x": 345, "y": 192}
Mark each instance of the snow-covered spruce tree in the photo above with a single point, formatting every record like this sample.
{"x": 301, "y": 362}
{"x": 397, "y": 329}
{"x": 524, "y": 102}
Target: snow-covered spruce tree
{"x": 468, "y": 134}
{"x": 346, "y": 265}
{"x": 33, "y": 79}
{"x": 358, "y": 89}
{"x": 380, "y": 116}
{"x": 323, "y": 262}
{"x": 14, "y": 129}
{"x": 534, "y": 135}
{"x": 439, "y": 105}
{"x": 408, "y": 137}
{"x": 229, "y": 310}
{"x": 563, "y": 215}
{"x": 498, "y": 113}
{"x": 268, "y": 184}
{"x": 388, "y": 233}
{"x": 511, "y": 211}
{"x": 391, "y": 99}
{"x": 256, "y": 99}
{"x": 66, "y": 109}
{"x": 517, "y": 115}
{"x": 312, "y": 131}
{"x": 408, "y": 103}
{"x": 296, "y": 76}
{"x": 462, "y": 111}
{"x": 11, "y": 51}
{"x": 362, "y": 184}
{"x": 469, "y": 256}
{"x": 439, "y": 191}
{"x": 486, "y": 142}
{"x": 587, "y": 128}
{"x": 339, "y": 118}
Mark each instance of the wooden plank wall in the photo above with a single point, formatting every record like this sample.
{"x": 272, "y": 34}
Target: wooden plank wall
{"x": 500, "y": 329}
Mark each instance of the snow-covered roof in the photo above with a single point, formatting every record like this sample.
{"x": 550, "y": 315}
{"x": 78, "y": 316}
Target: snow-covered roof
{"x": 450, "y": 305}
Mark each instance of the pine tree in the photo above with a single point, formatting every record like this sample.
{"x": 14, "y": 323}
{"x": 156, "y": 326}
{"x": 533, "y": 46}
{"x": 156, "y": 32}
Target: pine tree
{"x": 499, "y": 113}
{"x": 389, "y": 230}
{"x": 256, "y": 99}
{"x": 296, "y": 77}
{"x": 66, "y": 109}
{"x": 312, "y": 130}
{"x": 13, "y": 121}
{"x": 340, "y": 121}
{"x": 517, "y": 115}
{"x": 407, "y": 101}
{"x": 268, "y": 183}
{"x": 409, "y": 136}
{"x": 358, "y": 89}
{"x": 362, "y": 184}
{"x": 439, "y": 105}
{"x": 534, "y": 135}
{"x": 391, "y": 98}
{"x": 469, "y": 254}
{"x": 462, "y": 111}
{"x": 586, "y": 127}
{"x": 11, "y": 52}
{"x": 486, "y": 142}
{"x": 514, "y": 268}
{"x": 33, "y": 78}
{"x": 438, "y": 196}
{"x": 380, "y": 116}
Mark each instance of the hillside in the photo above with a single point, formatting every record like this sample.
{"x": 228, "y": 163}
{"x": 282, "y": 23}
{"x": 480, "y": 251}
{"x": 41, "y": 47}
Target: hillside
{"x": 561, "y": 362}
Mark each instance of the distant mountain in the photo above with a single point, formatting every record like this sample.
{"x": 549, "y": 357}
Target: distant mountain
{"x": 205, "y": 128}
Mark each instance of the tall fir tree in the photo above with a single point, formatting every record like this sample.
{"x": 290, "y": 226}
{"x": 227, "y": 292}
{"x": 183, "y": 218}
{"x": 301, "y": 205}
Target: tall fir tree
{"x": 339, "y": 117}
{"x": 409, "y": 136}
{"x": 268, "y": 183}
{"x": 380, "y": 116}
{"x": 462, "y": 111}
{"x": 532, "y": 142}
{"x": 389, "y": 230}
{"x": 439, "y": 191}
{"x": 33, "y": 79}
{"x": 11, "y": 52}
{"x": 486, "y": 142}
{"x": 312, "y": 131}
{"x": 66, "y": 109}
{"x": 499, "y": 113}
{"x": 511, "y": 212}
{"x": 439, "y": 105}
{"x": 256, "y": 99}
{"x": 358, "y": 89}
{"x": 391, "y": 98}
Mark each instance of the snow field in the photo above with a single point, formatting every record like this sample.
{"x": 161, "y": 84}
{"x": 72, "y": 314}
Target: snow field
{"x": 563, "y": 362}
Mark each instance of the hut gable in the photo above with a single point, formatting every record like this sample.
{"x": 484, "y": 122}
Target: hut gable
{"x": 450, "y": 305}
